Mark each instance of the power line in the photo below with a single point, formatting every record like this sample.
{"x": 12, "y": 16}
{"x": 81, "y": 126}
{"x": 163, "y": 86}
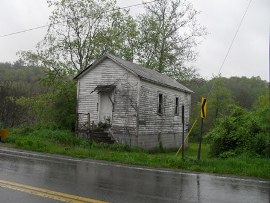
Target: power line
{"x": 134, "y": 5}
{"x": 229, "y": 49}
{"x": 42, "y": 26}
{"x": 22, "y": 31}
{"x": 231, "y": 44}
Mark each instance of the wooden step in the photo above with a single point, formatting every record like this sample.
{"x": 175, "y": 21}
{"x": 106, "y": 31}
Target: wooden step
{"x": 101, "y": 137}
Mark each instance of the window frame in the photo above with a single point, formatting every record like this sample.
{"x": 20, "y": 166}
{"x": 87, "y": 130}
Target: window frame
{"x": 176, "y": 106}
{"x": 160, "y": 106}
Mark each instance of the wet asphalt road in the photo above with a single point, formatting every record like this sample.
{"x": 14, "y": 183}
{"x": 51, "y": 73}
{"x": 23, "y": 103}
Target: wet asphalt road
{"x": 119, "y": 183}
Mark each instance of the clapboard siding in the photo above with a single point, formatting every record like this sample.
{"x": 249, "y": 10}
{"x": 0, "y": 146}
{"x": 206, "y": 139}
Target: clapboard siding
{"x": 166, "y": 128}
{"x": 135, "y": 119}
{"x": 124, "y": 115}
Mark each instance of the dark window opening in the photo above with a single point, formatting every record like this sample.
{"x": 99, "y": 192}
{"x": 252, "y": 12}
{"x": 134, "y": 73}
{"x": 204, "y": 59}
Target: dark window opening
{"x": 176, "y": 110}
{"x": 160, "y": 104}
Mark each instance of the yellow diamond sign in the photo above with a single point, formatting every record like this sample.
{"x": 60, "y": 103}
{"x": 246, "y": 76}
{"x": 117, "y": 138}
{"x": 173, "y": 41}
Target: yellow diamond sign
{"x": 203, "y": 108}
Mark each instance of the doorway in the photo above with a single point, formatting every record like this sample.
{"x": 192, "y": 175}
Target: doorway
{"x": 105, "y": 106}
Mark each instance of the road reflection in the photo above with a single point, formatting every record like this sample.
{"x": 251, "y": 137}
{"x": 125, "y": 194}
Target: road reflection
{"x": 116, "y": 183}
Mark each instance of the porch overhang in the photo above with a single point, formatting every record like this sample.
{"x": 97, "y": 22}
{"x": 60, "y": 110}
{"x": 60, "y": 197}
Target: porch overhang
{"x": 104, "y": 88}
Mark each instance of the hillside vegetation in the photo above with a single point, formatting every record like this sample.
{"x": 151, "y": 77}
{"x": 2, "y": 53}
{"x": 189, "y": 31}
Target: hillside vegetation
{"x": 39, "y": 110}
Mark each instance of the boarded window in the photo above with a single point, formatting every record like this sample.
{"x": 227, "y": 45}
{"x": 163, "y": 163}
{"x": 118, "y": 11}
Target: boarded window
{"x": 176, "y": 109}
{"x": 160, "y": 104}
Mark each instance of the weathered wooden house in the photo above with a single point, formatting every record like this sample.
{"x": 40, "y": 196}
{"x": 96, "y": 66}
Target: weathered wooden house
{"x": 143, "y": 107}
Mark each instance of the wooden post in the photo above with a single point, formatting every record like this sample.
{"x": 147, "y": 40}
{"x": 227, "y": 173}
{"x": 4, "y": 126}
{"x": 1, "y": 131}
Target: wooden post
{"x": 89, "y": 126}
{"x": 203, "y": 115}
{"x": 183, "y": 128}
{"x": 77, "y": 124}
{"x": 93, "y": 125}
{"x": 200, "y": 140}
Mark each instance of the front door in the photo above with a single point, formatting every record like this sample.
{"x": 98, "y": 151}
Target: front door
{"x": 106, "y": 106}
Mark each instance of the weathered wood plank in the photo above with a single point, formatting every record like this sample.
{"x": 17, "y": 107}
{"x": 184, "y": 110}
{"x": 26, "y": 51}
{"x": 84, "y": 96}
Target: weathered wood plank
{"x": 135, "y": 106}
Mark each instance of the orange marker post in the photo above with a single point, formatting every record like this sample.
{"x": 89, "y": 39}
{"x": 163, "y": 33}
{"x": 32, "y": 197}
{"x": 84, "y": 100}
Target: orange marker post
{"x": 3, "y": 134}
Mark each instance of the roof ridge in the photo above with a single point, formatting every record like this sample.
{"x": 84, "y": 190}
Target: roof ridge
{"x": 148, "y": 70}
{"x": 140, "y": 71}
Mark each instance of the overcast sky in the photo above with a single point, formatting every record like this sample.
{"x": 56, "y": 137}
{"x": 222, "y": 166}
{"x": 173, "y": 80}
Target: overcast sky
{"x": 249, "y": 55}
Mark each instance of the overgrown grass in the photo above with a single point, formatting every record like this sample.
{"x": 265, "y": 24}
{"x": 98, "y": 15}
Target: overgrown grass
{"x": 64, "y": 142}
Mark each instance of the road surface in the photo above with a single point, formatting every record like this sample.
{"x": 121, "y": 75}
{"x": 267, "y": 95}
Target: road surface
{"x": 36, "y": 177}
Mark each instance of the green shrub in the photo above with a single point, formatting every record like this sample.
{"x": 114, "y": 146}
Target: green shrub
{"x": 101, "y": 126}
{"x": 261, "y": 144}
{"x": 227, "y": 154}
{"x": 241, "y": 131}
{"x": 42, "y": 134}
{"x": 22, "y": 131}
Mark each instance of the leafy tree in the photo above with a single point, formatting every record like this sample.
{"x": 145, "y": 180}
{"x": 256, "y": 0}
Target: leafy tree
{"x": 243, "y": 131}
{"x": 80, "y": 31}
{"x": 242, "y": 91}
{"x": 17, "y": 81}
{"x": 163, "y": 38}
{"x": 246, "y": 90}
{"x": 219, "y": 99}
{"x": 169, "y": 33}
{"x": 121, "y": 38}
{"x": 56, "y": 106}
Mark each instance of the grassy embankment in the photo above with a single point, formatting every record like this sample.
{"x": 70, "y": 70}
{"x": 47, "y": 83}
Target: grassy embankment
{"x": 64, "y": 142}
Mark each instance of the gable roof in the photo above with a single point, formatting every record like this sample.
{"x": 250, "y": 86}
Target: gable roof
{"x": 141, "y": 72}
